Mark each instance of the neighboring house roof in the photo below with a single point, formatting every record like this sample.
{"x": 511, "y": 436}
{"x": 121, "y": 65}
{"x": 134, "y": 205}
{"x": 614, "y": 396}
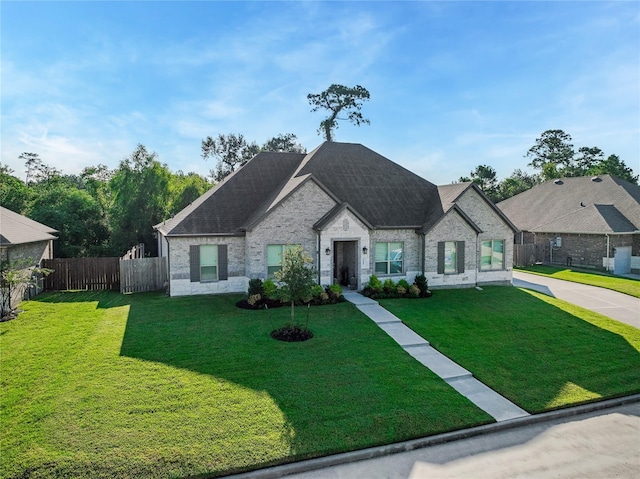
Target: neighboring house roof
{"x": 18, "y": 229}
{"x": 380, "y": 192}
{"x": 598, "y": 205}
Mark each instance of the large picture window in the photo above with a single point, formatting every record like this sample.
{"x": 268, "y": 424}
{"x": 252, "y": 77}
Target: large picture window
{"x": 388, "y": 258}
{"x": 275, "y": 252}
{"x": 209, "y": 262}
{"x": 492, "y": 255}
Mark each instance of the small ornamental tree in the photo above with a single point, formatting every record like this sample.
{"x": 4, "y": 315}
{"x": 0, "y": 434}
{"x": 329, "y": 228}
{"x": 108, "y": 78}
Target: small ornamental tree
{"x": 15, "y": 278}
{"x": 297, "y": 277}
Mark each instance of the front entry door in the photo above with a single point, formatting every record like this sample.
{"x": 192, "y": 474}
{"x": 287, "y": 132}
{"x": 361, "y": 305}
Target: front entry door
{"x": 345, "y": 264}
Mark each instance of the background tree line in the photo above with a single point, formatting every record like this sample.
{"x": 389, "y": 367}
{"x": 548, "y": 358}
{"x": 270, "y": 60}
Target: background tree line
{"x": 553, "y": 156}
{"x": 103, "y": 212}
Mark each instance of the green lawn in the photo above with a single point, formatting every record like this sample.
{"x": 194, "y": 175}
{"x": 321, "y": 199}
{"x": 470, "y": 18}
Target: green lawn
{"x": 616, "y": 283}
{"x": 97, "y": 384}
{"x": 540, "y": 352}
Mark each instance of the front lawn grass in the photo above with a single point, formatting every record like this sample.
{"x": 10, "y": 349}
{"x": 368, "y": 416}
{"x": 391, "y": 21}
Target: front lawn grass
{"x": 540, "y": 352}
{"x": 98, "y": 384}
{"x": 616, "y": 283}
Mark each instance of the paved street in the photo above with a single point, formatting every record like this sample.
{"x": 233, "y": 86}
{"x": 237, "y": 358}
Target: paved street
{"x": 602, "y": 444}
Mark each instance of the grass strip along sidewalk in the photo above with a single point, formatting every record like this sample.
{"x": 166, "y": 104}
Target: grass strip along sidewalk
{"x": 540, "y": 352}
{"x": 616, "y": 283}
{"x": 98, "y": 384}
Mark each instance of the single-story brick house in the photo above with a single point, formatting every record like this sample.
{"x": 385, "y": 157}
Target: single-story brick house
{"x": 23, "y": 239}
{"x": 355, "y": 212}
{"x": 583, "y": 221}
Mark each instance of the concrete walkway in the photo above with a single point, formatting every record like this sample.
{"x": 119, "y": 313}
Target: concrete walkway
{"x": 456, "y": 376}
{"x": 618, "y": 306}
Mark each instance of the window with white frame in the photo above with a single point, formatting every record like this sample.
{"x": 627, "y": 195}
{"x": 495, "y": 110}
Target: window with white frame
{"x": 208, "y": 262}
{"x": 389, "y": 258}
{"x": 491, "y": 255}
{"x": 275, "y": 252}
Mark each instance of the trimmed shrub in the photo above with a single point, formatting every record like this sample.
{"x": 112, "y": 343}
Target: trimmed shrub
{"x": 421, "y": 283}
{"x": 254, "y": 299}
{"x": 270, "y": 290}
{"x": 256, "y": 287}
{"x": 389, "y": 286}
{"x": 374, "y": 283}
{"x": 413, "y": 292}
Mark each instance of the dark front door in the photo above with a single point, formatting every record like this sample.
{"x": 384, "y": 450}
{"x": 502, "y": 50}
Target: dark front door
{"x": 345, "y": 263}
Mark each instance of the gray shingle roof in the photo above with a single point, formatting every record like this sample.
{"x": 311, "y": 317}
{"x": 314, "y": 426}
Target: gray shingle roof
{"x": 380, "y": 191}
{"x": 225, "y": 208}
{"x": 18, "y": 229}
{"x": 603, "y": 204}
{"x": 384, "y": 193}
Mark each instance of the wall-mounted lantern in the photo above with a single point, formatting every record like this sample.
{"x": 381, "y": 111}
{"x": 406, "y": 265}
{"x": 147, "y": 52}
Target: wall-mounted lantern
{"x": 327, "y": 251}
{"x": 365, "y": 250}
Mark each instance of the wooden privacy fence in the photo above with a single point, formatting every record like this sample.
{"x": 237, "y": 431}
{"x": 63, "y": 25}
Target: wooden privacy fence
{"x": 82, "y": 273}
{"x": 142, "y": 274}
{"x": 127, "y": 276}
{"x": 528, "y": 254}
{"x": 135, "y": 252}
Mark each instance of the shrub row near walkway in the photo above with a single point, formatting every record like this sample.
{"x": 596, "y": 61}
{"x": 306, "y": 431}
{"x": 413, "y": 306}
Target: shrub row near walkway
{"x": 377, "y": 289}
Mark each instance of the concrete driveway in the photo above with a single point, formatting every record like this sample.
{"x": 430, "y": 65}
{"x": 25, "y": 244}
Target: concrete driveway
{"x": 618, "y": 306}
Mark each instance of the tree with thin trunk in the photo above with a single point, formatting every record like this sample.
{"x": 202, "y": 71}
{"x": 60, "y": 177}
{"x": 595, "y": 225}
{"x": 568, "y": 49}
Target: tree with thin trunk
{"x": 297, "y": 277}
{"x": 338, "y": 99}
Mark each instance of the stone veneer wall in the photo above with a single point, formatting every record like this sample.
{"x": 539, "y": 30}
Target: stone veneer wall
{"x": 412, "y": 243}
{"x": 179, "y": 275}
{"x": 291, "y": 222}
{"x": 345, "y": 227}
{"x": 451, "y": 228}
{"x": 493, "y": 228}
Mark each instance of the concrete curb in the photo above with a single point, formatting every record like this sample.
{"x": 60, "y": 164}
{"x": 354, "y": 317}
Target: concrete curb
{"x": 405, "y": 446}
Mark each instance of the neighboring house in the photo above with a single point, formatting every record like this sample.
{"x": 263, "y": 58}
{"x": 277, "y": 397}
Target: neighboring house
{"x": 23, "y": 239}
{"x": 584, "y": 221}
{"x": 353, "y": 211}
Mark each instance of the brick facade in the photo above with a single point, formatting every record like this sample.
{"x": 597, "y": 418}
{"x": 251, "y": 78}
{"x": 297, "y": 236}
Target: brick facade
{"x": 292, "y": 222}
{"x": 453, "y": 227}
{"x": 589, "y": 250}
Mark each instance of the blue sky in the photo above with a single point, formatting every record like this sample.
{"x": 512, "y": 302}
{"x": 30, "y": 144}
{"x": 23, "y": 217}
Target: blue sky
{"x": 453, "y": 84}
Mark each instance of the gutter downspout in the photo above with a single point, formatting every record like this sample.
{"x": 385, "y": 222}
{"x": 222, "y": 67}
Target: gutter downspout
{"x": 168, "y": 269}
{"x": 319, "y": 259}
{"x": 478, "y": 257}
{"x": 423, "y": 254}
{"x": 607, "y": 268}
